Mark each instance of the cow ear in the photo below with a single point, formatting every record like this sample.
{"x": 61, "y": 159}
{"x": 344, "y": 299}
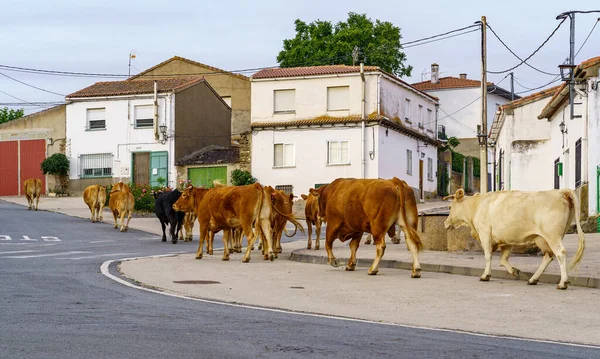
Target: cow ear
{"x": 314, "y": 192}
{"x": 459, "y": 195}
{"x": 292, "y": 196}
{"x": 448, "y": 197}
{"x": 304, "y": 197}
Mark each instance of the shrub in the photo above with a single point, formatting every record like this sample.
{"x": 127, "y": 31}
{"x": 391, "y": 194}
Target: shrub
{"x": 241, "y": 178}
{"x": 458, "y": 160}
{"x": 476, "y": 167}
{"x": 57, "y": 165}
{"x": 143, "y": 196}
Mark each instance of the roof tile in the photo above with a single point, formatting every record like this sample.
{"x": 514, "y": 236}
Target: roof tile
{"x": 277, "y": 72}
{"x": 120, "y": 88}
{"x": 448, "y": 83}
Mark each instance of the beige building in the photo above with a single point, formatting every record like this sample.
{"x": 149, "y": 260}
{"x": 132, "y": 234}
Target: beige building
{"x": 233, "y": 88}
{"x": 25, "y": 143}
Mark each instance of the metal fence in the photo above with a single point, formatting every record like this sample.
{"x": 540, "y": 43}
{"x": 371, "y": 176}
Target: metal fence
{"x": 96, "y": 165}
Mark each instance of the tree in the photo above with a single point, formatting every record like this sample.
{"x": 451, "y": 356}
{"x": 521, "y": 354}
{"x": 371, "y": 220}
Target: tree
{"x": 9, "y": 115}
{"x": 241, "y": 178}
{"x": 321, "y": 43}
{"x": 57, "y": 165}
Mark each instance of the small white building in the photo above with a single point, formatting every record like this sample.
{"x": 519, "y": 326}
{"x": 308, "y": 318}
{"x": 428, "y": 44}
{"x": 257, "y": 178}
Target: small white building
{"x": 521, "y": 144}
{"x": 127, "y": 130}
{"x": 312, "y": 125}
{"x": 542, "y": 142}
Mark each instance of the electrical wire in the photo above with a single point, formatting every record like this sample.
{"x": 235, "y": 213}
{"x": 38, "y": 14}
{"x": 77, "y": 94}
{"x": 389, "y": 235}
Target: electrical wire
{"x": 528, "y": 57}
{"x": 26, "y": 84}
{"x": 443, "y": 38}
{"x": 586, "y": 39}
{"x": 25, "y": 102}
{"x": 539, "y": 87}
{"x": 438, "y": 35}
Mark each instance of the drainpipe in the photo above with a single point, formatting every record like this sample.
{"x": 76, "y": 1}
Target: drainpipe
{"x": 156, "y": 135}
{"x": 362, "y": 123}
{"x": 378, "y": 97}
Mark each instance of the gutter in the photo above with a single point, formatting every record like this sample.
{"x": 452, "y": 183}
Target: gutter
{"x": 362, "y": 122}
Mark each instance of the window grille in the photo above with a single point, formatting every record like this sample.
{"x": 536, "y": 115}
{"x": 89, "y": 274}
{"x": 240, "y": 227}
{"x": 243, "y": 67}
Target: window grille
{"x": 96, "y": 165}
{"x": 287, "y": 188}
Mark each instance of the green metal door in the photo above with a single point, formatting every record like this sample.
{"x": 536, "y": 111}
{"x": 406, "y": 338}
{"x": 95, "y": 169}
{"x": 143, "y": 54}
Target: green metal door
{"x": 159, "y": 167}
{"x": 206, "y": 175}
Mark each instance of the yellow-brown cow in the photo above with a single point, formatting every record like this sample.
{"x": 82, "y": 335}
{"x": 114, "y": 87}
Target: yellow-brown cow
{"x": 33, "y": 189}
{"x": 121, "y": 203}
{"x": 95, "y": 197}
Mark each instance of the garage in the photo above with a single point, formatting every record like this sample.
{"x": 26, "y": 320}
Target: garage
{"x": 204, "y": 176}
{"x": 20, "y": 159}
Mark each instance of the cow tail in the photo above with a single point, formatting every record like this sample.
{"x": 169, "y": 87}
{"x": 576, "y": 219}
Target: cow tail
{"x": 572, "y": 197}
{"x": 410, "y": 232}
{"x": 290, "y": 217}
{"x": 257, "y": 221}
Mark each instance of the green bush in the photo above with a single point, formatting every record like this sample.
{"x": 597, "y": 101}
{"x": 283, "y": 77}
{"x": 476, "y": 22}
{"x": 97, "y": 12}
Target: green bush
{"x": 476, "y": 167}
{"x": 241, "y": 178}
{"x": 57, "y": 165}
{"x": 143, "y": 195}
{"x": 458, "y": 160}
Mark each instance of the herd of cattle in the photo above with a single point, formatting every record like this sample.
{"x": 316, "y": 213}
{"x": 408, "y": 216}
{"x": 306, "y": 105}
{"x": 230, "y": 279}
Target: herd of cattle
{"x": 351, "y": 207}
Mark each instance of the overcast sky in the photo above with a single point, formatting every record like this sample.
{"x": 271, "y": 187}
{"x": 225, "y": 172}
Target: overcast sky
{"x": 97, "y": 36}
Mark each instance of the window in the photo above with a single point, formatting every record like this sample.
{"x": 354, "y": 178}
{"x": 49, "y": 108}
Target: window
{"x": 96, "y": 165}
{"x": 227, "y": 100}
{"x": 338, "y": 152}
{"x": 338, "y": 98}
{"x": 430, "y": 169}
{"x": 284, "y": 101}
{"x": 421, "y": 114}
{"x": 284, "y": 155}
{"x": 96, "y": 119}
{"x": 430, "y": 121}
{"x": 406, "y": 110}
{"x": 144, "y": 116}
{"x": 409, "y": 162}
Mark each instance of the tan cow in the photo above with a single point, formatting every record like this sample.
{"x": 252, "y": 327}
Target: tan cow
{"x": 503, "y": 219}
{"x": 355, "y": 206}
{"x": 32, "y": 189}
{"x": 95, "y": 197}
{"x": 311, "y": 214}
{"x": 121, "y": 203}
{"x": 282, "y": 210}
{"x": 188, "y": 225}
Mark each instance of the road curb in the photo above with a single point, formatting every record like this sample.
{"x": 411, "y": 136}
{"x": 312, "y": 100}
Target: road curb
{"x": 577, "y": 281}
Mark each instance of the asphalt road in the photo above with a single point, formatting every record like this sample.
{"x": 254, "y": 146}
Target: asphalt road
{"x": 55, "y": 303}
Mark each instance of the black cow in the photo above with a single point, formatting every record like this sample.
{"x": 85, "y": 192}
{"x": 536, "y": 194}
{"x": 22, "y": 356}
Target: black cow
{"x": 163, "y": 207}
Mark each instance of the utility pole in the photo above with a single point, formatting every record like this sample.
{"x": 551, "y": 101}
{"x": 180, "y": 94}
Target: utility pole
{"x": 512, "y": 86}
{"x": 482, "y": 136}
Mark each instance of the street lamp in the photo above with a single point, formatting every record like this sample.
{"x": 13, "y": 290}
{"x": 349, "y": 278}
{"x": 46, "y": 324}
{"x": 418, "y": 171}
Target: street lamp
{"x": 481, "y": 136}
{"x": 163, "y": 131}
{"x": 566, "y": 71}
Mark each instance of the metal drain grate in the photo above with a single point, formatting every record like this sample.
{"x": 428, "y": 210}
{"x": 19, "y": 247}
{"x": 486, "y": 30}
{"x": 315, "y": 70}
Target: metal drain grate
{"x": 196, "y": 282}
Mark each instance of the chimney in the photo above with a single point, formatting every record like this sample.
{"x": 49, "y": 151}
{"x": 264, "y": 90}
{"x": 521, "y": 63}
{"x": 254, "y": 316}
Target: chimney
{"x": 463, "y": 76}
{"x": 435, "y": 73}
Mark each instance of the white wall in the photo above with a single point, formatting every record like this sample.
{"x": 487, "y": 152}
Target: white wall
{"x": 120, "y": 137}
{"x": 310, "y": 157}
{"x": 392, "y": 159}
{"x": 594, "y": 142}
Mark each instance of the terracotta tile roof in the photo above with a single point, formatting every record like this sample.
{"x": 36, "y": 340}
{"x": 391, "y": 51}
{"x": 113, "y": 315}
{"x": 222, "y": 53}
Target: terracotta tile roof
{"x": 212, "y": 154}
{"x": 352, "y": 119}
{"x": 448, "y": 82}
{"x": 199, "y": 64}
{"x": 277, "y": 72}
{"x": 562, "y": 92}
{"x": 531, "y": 98}
{"x": 119, "y": 88}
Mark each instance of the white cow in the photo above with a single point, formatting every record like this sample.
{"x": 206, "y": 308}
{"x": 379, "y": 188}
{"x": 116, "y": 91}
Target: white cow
{"x": 506, "y": 218}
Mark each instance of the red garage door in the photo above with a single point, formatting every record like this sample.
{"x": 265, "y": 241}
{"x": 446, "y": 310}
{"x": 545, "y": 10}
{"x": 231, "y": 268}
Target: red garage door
{"x": 32, "y": 153}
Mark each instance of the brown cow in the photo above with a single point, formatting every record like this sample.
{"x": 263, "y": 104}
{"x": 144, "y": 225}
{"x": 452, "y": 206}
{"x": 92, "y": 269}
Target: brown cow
{"x": 311, "y": 213}
{"x": 121, "y": 203}
{"x": 282, "y": 205}
{"x": 355, "y": 206}
{"x": 33, "y": 189}
{"x": 95, "y": 197}
{"x": 188, "y": 225}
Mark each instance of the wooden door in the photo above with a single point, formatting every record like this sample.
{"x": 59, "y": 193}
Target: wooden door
{"x": 421, "y": 194}
{"x": 141, "y": 168}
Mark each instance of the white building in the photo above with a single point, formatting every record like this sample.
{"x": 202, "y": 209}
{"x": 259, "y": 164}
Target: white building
{"x": 540, "y": 146}
{"x": 308, "y": 128}
{"x": 126, "y": 130}
{"x": 521, "y": 144}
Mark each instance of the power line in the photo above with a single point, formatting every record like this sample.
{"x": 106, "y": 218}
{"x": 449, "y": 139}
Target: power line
{"x": 24, "y": 102}
{"x": 26, "y": 84}
{"x": 443, "y": 38}
{"x": 528, "y": 57}
{"x": 438, "y": 35}
{"x": 537, "y": 88}
{"x": 586, "y": 39}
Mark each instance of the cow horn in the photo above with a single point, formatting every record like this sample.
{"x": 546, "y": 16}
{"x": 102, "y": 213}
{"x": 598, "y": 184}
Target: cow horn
{"x": 448, "y": 197}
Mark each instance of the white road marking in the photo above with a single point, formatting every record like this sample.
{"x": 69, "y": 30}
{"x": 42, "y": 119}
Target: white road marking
{"x": 46, "y": 255}
{"x": 104, "y": 270}
{"x": 99, "y": 255}
{"x": 104, "y": 241}
{"x": 11, "y": 252}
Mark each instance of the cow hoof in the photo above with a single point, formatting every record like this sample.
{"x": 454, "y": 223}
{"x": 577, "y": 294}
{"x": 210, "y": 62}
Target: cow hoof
{"x": 316, "y": 248}
{"x": 29, "y": 209}
{"x": 245, "y": 260}
{"x": 515, "y": 272}
{"x": 334, "y": 263}
{"x": 164, "y": 239}
{"x": 350, "y": 268}
{"x": 373, "y": 272}
{"x": 199, "y": 256}
{"x": 532, "y": 282}
{"x": 122, "y": 230}
{"x": 562, "y": 287}
{"x": 309, "y": 247}
{"x": 265, "y": 257}
{"x": 174, "y": 241}
{"x": 367, "y": 242}
{"x": 272, "y": 256}
{"x": 485, "y": 278}
{"x": 226, "y": 258}
{"x": 416, "y": 273}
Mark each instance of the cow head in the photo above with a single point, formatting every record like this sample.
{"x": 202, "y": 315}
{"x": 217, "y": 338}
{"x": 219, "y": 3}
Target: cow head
{"x": 186, "y": 202}
{"x": 456, "y": 217}
{"x": 304, "y": 197}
